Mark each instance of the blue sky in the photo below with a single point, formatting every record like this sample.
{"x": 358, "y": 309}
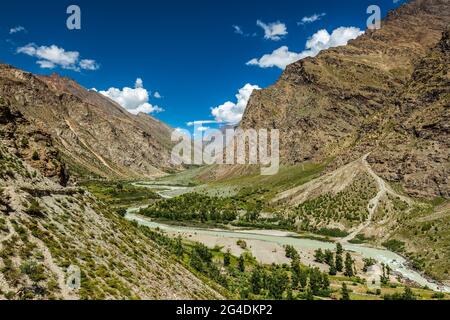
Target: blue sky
{"x": 191, "y": 52}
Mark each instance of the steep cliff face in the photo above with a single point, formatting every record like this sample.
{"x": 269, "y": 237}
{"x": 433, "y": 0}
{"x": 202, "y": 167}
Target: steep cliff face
{"x": 417, "y": 151}
{"x": 345, "y": 101}
{"x": 95, "y": 136}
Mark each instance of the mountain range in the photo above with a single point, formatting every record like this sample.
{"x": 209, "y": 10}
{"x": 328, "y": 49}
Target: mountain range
{"x": 374, "y": 114}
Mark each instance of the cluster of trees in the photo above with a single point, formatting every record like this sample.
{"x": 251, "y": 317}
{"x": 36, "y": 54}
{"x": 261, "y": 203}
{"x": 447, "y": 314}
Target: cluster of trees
{"x": 289, "y": 282}
{"x": 291, "y": 252}
{"x": 335, "y": 261}
{"x": 349, "y": 205}
{"x": 384, "y": 278}
{"x": 201, "y": 259}
{"x": 408, "y": 294}
{"x": 195, "y": 207}
{"x": 243, "y": 277}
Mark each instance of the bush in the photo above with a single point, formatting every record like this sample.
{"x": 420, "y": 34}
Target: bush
{"x": 242, "y": 244}
{"x": 34, "y": 209}
{"x": 35, "y": 156}
{"x": 121, "y": 212}
{"x": 394, "y": 245}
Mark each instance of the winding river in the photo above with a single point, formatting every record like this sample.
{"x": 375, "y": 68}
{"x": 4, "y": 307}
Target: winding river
{"x": 397, "y": 263}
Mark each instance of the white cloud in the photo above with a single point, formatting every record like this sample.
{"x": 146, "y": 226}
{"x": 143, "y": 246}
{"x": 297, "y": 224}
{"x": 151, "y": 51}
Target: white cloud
{"x": 44, "y": 64}
{"x": 273, "y": 31}
{"x": 321, "y": 40}
{"x": 50, "y": 57}
{"x": 89, "y": 64}
{"x": 134, "y": 100}
{"x": 310, "y": 19}
{"x": 232, "y": 112}
{"x": 17, "y": 30}
{"x": 280, "y": 58}
{"x": 238, "y": 30}
{"x": 157, "y": 95}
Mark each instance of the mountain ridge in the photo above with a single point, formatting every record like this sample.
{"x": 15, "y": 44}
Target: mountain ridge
{"x": 81, "y": 121}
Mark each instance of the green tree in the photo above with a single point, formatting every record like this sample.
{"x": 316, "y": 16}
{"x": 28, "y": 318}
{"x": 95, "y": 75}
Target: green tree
{"x": 178, "y": 248}
{"x": 203, "y": 252}
{"x": 408, "y": 294}
{"x": 345, "y": 292}
{"x": 227, "y": 258}
{"x": 339, "y": 249}
{"x": 339, "y": 262}
{"x": 318, "y": 256}
{"x": 296, "y": 271}
{"x": 332, "y": 271}
{"x": 278, "y": 283}
{"x": 325, "y": 282}
{"x": 348, "y": 265}
{"x": 303, "y": 278}
{"x": 309, "y": 294}
{"x": 256, "y": 280}
{"x": 241, "y": 263}
{"x": 315, "y": 281}
{"x": 329, "y": 257}
{"x": 384, "y": 278}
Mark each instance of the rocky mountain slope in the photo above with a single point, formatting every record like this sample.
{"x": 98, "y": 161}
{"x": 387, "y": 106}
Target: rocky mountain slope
{"x": 385, "y": 92}
{"x": 94, "y": 135}
{"x": 46, "y": 230}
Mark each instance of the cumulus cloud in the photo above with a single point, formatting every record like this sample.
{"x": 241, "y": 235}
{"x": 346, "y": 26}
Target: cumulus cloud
{"x": 280, "y": 58}
{"x": 17, "y": 30}
{"x": 321, "y": 40}
{"x": 89, "y": 64}
{"x": 313, "y": 18}
{"x": 157, "y": 95}
{"x": 232, "y": 112}
{"x": 134, "y": 100}
{"x": 50, "y": 57}
{"x": 273, "y": 31}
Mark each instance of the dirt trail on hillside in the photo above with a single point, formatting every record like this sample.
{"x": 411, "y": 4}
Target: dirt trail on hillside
{"x": 383, "y": 190}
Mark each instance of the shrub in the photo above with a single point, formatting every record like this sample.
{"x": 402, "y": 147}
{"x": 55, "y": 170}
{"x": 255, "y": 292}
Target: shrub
{"x": 34, "y": 209}
{"x": 35, "y": 156}
{"x": 394, "y": 245}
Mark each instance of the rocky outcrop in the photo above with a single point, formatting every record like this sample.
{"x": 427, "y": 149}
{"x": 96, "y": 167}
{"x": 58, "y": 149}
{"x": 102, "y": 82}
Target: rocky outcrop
{"x": 32, "y": 144}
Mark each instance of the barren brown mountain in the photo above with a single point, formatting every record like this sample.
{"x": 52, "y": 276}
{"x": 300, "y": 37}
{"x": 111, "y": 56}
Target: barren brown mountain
{"x": 390, "y": 84}
{"x": 95, "y": 136}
